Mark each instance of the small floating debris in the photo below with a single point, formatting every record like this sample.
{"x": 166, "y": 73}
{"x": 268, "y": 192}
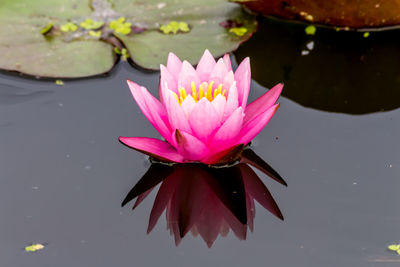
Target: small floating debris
{"x": 310, "y": 45}
{"x": 46, "y": 29}
{"x": 395, "y": 247}
{"x": 305, "y": 52}
{"x": 310, "y": 30}
{"x": 34, "y": 247}
{"x": 59, "y": 82}
{"x": 366, "y": 34}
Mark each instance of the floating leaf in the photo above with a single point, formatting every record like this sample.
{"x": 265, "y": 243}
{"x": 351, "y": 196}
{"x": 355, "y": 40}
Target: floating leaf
{"x": 174, "y": 27}
{"x": 310, "y": 30}
{"x": 238, "y": 31}
{"x": 34, "y": 247}
{"x": 394, "y": 247}
{"x": 24, "y": 49}
{"x": 90, "y": 24}
{"x": 120, "y": 26}
{"x": 47, "y": 28}
{"x": 69, "y": 27}
{"x": 59, "y": 82}
{"x": 95, "y": 33}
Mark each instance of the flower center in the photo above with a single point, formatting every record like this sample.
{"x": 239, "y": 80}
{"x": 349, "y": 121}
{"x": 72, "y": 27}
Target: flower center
{"x": 205, "y": 89}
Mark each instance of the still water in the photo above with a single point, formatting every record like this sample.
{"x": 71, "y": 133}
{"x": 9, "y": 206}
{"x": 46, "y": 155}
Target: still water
{"x": 64, "y": 176}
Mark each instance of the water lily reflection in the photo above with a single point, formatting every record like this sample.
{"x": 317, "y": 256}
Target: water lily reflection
{"x": 205, "y": 200}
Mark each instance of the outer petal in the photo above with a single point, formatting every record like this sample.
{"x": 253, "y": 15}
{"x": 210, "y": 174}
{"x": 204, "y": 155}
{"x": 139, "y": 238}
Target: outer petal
{"x": 205, "y": 66}
{"x": 263, "y": 103}
{"x": 176, "y": 115}
{"x": 153, "y": 147}
{"x": 228, "y": 80}
{"x": 227, "y": 61}
{"x": 243, "y": 79}
{"x": 219, "y": 72}
{"x": 190, "y": 147}
{"x": 166, "y": 78}
{"x": 228, "y": 131}
{"x": 187, "y": 75}
{"x": 204, "y": 120}
{"x": 152, "y": 109}
{"x": 174, "y": 64}
{"x": 232, "y": 101}
{"x": 254, "y": 127}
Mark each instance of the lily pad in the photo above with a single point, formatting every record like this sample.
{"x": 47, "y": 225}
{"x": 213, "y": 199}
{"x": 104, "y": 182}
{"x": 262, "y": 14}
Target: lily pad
{"x": 83, "y": 34}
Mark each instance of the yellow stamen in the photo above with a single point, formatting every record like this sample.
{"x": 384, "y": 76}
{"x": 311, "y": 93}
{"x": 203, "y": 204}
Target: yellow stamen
{"x": 194, "y": 91}
{"x": 181, "y": 98}
{"x": 209, "y": 93}
{"x": 223, "y": 93}
{"x": 200, "y": 91}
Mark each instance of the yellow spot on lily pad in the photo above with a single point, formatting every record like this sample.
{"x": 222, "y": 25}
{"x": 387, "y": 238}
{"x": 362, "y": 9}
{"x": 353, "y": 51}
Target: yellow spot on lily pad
{"x": 310, "y": 30}
{"x": 47, "y": 28}
{"x": 59, "y": 82}
{"x": 34, "y": 247}
{"x": 95, "y": 33}
{"x": 366, "y": 34}
{"x": 90, "y": 24}
{"x": 120, "y": 26}
{"x": 69, "y": 27}
{"x": 174, "y": 27}
{"x": 238, "y": 31}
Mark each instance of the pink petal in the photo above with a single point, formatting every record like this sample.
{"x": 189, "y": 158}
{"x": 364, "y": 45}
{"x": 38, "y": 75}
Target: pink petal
{"x": 166, "y": 78}
{"x": 228, "y": 80}
{"x": 205, "y": 66}
{"x": 228, "y": 131}
{"x": 219, "y": 103}
{"x": 176, "y": 115}
{"x": 191, "y": 148}
{"x": 153, "y": 147}
{"x": 254, "y": 127}
{"x": 152, "y": 109}
{"x": 187, "y": 75}
{"x": 204, "y": 120}
{"x": 243, "y": 79}
{"x": 232, "y": 101}
{"x": 263, "y": 103}
{"x": 218, "y": 72}
{"x": 188, "y": 105}
{"x": 227, "y": 61}
{"x": 174, "y": 64}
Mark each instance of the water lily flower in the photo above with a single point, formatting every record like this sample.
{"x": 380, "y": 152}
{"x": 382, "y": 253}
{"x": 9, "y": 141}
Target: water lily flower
{"x": 202, "y": 112}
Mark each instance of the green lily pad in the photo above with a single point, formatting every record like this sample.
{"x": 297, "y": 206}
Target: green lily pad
{"x": 76, "y": 38}
{"x": 151, "y": 47}
{"x": 25, "y": 49}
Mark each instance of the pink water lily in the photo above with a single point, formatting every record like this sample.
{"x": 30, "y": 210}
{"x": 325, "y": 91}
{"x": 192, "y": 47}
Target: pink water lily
{"x": 202, "y": 113}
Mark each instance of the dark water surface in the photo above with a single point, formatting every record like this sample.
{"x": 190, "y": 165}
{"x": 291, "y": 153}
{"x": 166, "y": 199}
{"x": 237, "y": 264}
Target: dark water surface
{"x": 64, "y": 175}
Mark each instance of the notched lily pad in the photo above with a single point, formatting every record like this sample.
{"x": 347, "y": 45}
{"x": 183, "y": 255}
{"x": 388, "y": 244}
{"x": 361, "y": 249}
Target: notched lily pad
{"x": 71, "y": 38}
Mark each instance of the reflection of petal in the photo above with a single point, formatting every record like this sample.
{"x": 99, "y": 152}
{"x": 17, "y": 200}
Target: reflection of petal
{"x": 154, "y": 175}
{"x": 248, "y": 156}
{"x": 205, "y": 200}
{"x": 259, "y": 191}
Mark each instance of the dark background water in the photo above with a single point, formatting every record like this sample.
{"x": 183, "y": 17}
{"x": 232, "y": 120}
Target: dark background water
{"x": 64, "y": 175}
